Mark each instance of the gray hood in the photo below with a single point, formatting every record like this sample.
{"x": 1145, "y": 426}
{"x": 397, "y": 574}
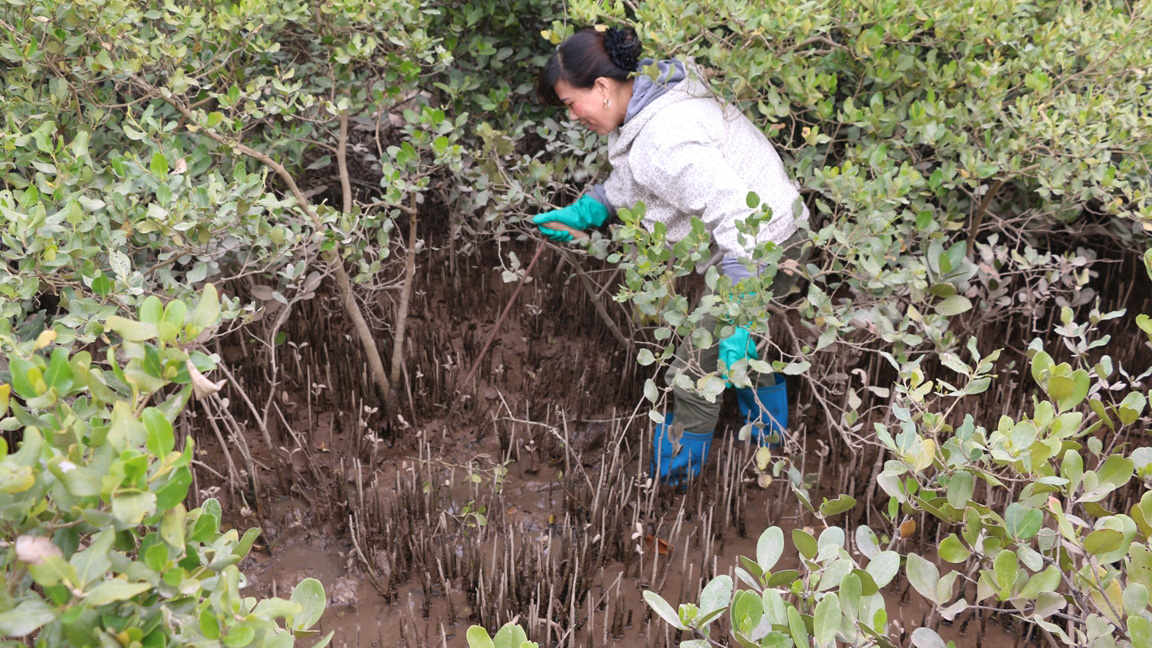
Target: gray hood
{"x": 645, "y": 90}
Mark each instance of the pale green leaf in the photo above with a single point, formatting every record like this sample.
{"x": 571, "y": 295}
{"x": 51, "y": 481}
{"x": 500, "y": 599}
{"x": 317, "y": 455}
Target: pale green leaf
{"x": 826, "y": 620}
{"x": 661, "y": 608}
{"x": 24, "y": 619}
{"x": 309, "y": 595}
{"x": 769, "y": 548}
{"x": 923, "y": 576}
{"x": 114, "y": 590}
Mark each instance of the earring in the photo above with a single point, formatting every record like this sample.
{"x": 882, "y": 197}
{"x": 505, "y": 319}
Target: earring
{"x": 607, "y": 103}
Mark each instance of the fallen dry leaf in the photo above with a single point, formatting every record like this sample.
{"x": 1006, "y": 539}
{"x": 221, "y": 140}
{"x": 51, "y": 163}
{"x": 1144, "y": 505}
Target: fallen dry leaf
{"x": 662, "y": 546}
{"x": 907, "y": 528}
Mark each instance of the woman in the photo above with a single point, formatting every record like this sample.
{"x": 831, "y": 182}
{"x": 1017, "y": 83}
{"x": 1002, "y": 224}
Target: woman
{"x": 674, "y": 146}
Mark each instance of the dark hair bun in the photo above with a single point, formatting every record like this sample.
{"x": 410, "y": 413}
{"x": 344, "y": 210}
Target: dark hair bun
{"x": 623, "y": 48}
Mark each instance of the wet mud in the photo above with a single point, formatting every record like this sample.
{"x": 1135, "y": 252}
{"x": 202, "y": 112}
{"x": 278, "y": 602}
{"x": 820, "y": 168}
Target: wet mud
{"x": 524, "y": 496}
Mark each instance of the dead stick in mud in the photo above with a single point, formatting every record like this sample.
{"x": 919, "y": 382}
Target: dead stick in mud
{"x": 405, "y": 294}
{"x": 496, "y": 329}
{"x": 331, "y": 257}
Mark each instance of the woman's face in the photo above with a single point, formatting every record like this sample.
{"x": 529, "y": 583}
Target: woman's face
{"x": 600, "y": 108}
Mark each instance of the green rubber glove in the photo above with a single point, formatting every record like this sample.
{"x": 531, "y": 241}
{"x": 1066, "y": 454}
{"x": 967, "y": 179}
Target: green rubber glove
{"x": 737, "y": 346}
{"x": 583, "y": 214}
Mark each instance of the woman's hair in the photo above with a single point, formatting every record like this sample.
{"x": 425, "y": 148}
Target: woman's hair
{"x": 586, "y": 56}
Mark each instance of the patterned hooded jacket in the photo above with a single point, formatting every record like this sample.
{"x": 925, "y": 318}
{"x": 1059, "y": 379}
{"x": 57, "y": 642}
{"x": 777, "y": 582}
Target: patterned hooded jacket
{"x": 684, "y": 154}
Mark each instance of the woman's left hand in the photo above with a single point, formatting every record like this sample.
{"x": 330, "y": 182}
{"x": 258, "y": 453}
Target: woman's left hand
{"x": 736, "y": 347}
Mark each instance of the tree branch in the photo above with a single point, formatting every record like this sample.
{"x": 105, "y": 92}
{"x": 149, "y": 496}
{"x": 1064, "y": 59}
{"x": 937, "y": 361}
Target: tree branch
{"x": 331, "y": 257}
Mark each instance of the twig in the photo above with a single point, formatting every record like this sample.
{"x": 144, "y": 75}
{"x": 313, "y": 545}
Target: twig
{"x": 978, "y": 219}
{"x": 496, "y": 329}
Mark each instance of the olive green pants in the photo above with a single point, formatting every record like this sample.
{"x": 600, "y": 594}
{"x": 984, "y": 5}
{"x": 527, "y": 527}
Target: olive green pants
{"x": 693, "y": 412}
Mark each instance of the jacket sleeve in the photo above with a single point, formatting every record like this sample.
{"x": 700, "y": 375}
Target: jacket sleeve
{"x": 598, "y": 194}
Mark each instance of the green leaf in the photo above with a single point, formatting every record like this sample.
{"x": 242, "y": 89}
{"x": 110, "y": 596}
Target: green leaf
{"x": 102, "y": 285}
{"x": 207, "y": 525}
{"x": 52, "y": 570}
{"x": 27, "y": 617}
{"x": 927, "y": 638}
{"x": 59, "y": 373}
{"x": 805, "y": 543}
{"x": 1072, "y": 469}
{"x": 161, "y": 439}
{"x": 172, "y": 527}
{"x": 783, "y": 577}
{"x": 1139, "y": 630}
{"x": 953, "y": 551}
{"x": 275, "y": 608}
{"x": 1041, "y": 364}
{"x": 960, "y": 487}
{"x": 923, "y": 576}
{"x": 1128, "y": 410}
{"x": 510, "y": 635}
{"x": 651, "y": 391}
{"x": 25, "y": 376}
{"x": 1141, "y": 513}
{"x": 309, "y": 595}
{"x": 92, "y": 563}
{"x": 239, "y": 637}
{"x": 663, "y": 610}
{"x": 717, "y": 594}
{"x": 851, "y": 593}
{"x": 174, "y": 492}
{"x": 837, "y": 506}
{"x": 478, "y": 638}
{"x": 954, "y": 305}
{"x": 747, "y": 611}
{"x": 131, "y": 507}
{"x": 1022, "y": 522}
{"x": 131, "y": 330}
{"x": 826, "y": 620}
{"x": 796, "y": 627}
{"x": 1048, "y": 603}
{"x": 80, "y": 481}
{"x": 769, "y": 548}
{"x": 1102, "y": 541}
{"x": 1045, "y": 581}
{"x": 1006, "y": 567}
{"x": 868, "y": 585}
{"x": 207, "y": 310}
{"x": 152, "y": 310}
{"x": 1060, "y": 388}
{"x": 209, "y": 623}
{"x": 1116, "y": 471}
{"x": 884, "y": 567}
{"x": 867, "y": 542}
{"x": 114, "y": 590}
{"x": 175, "y": 313}
{"x": 156, "y": 556}
{"x": 246, "y": 542}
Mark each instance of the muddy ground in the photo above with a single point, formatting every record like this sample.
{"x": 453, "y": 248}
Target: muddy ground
{"x": 521, "y": 497}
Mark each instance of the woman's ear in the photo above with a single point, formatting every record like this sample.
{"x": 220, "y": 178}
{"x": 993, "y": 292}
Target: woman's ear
{"x": 603, "y": 85}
